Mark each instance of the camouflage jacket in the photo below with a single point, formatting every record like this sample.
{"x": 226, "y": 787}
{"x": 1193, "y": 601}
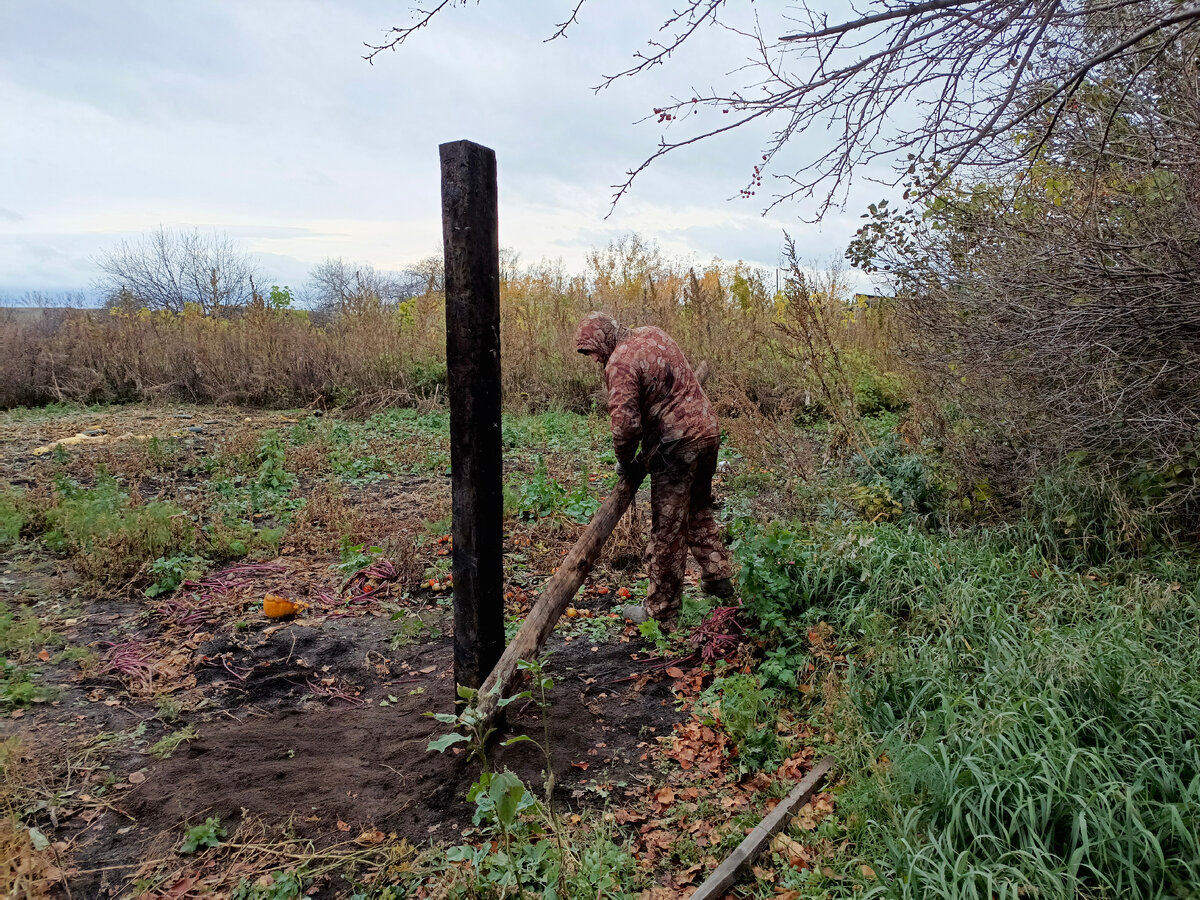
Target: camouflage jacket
{"x": 654, "y": 397}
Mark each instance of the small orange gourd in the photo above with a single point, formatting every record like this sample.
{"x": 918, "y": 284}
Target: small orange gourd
{"x": 276, "y": 607}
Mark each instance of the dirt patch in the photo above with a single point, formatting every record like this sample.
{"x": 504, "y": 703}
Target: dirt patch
{"x": 318, "y": 764}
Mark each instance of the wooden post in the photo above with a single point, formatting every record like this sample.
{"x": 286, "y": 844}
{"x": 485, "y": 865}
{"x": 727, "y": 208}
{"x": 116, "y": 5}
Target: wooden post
{"x": 471, "y": 235}
{"x": 556, "y": 596}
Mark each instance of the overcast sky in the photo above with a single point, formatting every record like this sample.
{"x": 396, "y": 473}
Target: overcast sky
{"x": 262, "y": 119}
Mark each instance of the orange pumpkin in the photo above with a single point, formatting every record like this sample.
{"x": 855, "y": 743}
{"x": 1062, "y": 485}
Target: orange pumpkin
{"x": 276, "y": 607}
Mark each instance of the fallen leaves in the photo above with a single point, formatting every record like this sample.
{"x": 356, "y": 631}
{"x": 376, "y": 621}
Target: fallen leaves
{"x": 791, "y": 850}
{"x": 696, "y": 746}
{"x": 809, "y": 816}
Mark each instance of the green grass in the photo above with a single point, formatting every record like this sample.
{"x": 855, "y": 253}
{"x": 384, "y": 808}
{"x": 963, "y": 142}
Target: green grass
{"x": 14, "y": 514}
{"x": 106, "y": 534}
{"x": 49, "y": 412}
{"x": 22, "y": 636}
{"x": 1011, "y": 729}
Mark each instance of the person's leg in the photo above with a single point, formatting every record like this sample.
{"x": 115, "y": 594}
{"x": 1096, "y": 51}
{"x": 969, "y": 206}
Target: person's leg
{"x": 704, "y": 538}
{"x": 670, "y": 493}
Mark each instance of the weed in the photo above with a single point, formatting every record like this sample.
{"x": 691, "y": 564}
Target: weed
{"x": 168, "y": 744}
{"x": 1037, "y": 723}
{"x": 22, "y": 634}
{"x": 581, "y": 504}
{"x": 540, "y": 495}
{"x": 896, "y": 483}
{"x": 17, "y": 688}
{"x": 204, "y": 836}
{"x": 106, "y": 535}
{"x": 652, "y": 632}
{"x": 410, "y": 629}
{"x": 747, "y": 712}
{"x": 168, "y": 709}
{"x": 281, "y": 886}
{"x": 233, "y": 538}
{"x": 355, "y": 557}
{"x": 14, "y": 515}
{"x": 169, "y": 572}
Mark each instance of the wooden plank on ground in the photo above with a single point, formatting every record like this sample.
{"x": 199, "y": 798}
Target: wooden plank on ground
{"x": 723, "y": 877}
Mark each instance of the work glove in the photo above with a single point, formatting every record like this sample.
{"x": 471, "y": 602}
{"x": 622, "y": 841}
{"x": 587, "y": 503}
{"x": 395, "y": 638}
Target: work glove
{"x": 633, "y": 471}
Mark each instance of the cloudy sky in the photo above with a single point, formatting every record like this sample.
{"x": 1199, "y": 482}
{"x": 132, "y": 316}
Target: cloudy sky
{"x": 261, "y": 119}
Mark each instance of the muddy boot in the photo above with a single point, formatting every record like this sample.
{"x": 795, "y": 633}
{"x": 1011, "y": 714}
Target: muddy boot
{"x": 722, "y": 588}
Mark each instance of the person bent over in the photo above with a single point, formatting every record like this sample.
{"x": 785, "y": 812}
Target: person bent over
{"x": 656, "y": 401}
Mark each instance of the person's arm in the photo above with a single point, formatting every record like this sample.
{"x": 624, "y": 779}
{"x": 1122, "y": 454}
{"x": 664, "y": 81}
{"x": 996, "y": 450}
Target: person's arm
{"x": 624, "y": 410}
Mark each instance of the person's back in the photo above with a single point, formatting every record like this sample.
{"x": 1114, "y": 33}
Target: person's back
{"x": 651, "y": 385}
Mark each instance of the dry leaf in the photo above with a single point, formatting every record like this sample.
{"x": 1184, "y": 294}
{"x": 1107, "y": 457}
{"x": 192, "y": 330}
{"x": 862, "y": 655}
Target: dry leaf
{"x": 428, "y": 669}
{"x": 791, "y": 850}
{"x": 371, "y": 837}
{"x": 342, "y": 826}
{"x": 675, "y": 672}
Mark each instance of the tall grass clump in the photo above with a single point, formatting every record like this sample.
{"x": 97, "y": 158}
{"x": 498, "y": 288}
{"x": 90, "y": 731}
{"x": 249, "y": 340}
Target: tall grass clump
{"x": 1017, "y": 729}
{"x": 380, "y": 354}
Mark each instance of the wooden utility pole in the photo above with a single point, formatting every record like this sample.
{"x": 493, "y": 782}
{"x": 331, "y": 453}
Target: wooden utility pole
{"x": 471, "y": 235}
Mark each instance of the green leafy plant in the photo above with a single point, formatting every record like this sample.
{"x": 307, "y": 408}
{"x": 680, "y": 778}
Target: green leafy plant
{"x": 354, "y": 557}
{"x": 168, "y": 744}
{"x": 652, "y": 631}
{"x": 541, "y": 495}
{"x": 13, "y": 516}
{"x": 108, "y": 536}
{"x": 747, "y": 712}
{"x": 204, "y": 836}
{"x": 581, "y": 504}
{"x": 472, "y": 728}
{"x": 282, "y": 886}
{"x": 169, "y": 572}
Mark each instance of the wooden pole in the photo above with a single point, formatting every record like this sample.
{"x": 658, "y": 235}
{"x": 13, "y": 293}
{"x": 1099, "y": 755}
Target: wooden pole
{"x": 555, "y": 597}
{"x": 723, "y": 877}
{"x": 471, "y": 235}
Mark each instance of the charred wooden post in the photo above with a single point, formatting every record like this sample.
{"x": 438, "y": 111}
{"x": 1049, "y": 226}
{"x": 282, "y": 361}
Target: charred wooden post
{"x": 471, "y": 235}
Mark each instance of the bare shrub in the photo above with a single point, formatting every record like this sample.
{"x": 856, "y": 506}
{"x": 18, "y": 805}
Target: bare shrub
{"x": 168, "y": 270}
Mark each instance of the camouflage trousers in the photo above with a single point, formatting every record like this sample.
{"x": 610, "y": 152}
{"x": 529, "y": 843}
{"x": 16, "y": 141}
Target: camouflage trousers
{"x": 681, "y": 512}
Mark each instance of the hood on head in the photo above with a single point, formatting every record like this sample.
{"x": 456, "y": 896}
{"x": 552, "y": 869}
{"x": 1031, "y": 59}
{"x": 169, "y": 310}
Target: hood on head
{"x": 599, "y": 333}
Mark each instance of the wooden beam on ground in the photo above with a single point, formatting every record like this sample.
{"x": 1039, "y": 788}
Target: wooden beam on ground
{"x": 722, "y": 879}
{"x": 471, "y": 236}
